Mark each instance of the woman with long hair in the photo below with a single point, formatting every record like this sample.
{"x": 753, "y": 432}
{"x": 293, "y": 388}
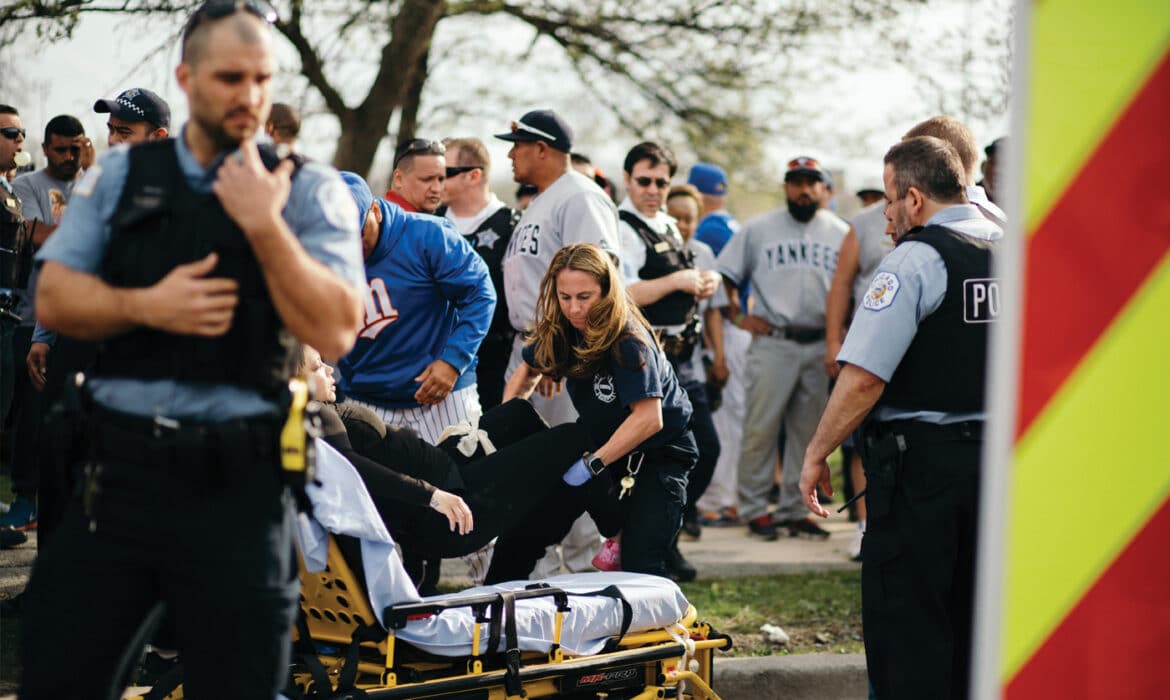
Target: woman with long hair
{"x": 592, "y": 337}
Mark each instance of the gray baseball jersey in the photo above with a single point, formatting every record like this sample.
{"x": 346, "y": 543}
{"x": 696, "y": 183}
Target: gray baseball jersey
{"x": 873, "y": 244}
{"x": 790, "y": 265}
{"x": 572, "y": 210}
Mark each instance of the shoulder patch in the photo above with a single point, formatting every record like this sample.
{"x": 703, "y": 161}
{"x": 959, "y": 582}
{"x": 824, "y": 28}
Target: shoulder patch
{"x": 336, "y": 204}
{"x": 881, "y": 292}
{"x": 84, "y": 188}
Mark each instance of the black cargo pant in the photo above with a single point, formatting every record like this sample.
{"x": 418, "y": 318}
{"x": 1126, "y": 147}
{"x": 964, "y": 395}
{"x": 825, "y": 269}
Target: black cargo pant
{"x": 649, "y": 519}
{"x": 707, "y": 440}
{"x": 918, "y": 559}
{"x": 203, "y": 524}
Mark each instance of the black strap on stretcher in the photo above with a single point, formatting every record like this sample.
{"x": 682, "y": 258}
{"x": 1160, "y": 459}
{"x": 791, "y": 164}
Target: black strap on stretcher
{"x": 347, "y": 679}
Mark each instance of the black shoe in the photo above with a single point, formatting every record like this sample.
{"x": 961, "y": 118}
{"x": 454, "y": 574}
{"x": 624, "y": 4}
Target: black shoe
{"x": 691, "y": 531}
{"x": 678, "y": 567}
{"x": 11, "y": 537}
{"x": 764, "y": 527}
{"x": 805, "y": 526}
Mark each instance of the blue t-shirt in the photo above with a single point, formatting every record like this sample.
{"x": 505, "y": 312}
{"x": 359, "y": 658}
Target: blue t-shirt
{"x": 603, "y": 400}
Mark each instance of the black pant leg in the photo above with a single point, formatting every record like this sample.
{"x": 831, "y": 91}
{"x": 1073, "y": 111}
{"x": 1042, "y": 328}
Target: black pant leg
{"x": 494, "y": 353}
{"x": 26, "y": 419}
{"x": 707, "y": 441}
{"x": 518, "y": 549}
{"x": 918, "y": 574}
{"x": 654, "y": 515}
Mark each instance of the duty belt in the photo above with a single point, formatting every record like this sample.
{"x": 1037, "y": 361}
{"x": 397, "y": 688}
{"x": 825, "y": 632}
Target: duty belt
{"x": 797, "y": 334}
{"x": 185, "y": 443}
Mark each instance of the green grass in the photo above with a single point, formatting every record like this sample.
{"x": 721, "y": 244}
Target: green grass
{"x": 820, "y": 611}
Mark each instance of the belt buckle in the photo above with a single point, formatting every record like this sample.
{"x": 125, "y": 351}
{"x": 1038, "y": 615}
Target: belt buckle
{"x": 162, "y": 424}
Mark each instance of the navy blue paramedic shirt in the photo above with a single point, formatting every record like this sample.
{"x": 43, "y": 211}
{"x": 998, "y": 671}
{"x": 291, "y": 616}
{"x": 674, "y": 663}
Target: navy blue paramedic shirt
{"x": 603, "y": 401}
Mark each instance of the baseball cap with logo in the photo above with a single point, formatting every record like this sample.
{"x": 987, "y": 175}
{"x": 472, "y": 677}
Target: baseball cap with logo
{"x": 137, "y": 105}
{"x": 803, "y": 165}
{"x": 542, "y": 125}
{"x": 708, "y": 178}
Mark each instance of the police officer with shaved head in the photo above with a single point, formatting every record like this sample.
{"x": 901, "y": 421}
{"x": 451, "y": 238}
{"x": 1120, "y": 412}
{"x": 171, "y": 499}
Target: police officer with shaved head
{"x": 198, "y": 264}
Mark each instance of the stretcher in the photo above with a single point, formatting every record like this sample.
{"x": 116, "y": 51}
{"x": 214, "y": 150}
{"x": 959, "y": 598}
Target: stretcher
{"x": 363, "y": 630}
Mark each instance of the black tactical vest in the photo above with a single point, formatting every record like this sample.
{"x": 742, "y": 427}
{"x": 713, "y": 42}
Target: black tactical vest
{"x": 945, "y": 367}
{"x": 15, "y": 248}
{"x": 161, "y": 223}
{"x": 665, "y": 254}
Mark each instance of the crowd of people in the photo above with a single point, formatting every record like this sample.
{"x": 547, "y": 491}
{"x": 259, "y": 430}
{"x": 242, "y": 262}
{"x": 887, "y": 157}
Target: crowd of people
{"x": 573, "y": 382}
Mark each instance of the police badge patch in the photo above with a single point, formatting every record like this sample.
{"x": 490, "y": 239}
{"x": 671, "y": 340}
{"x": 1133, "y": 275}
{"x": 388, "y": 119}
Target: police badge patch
{"x": 881, "y": 292}
{"x": 487, "y": 239}
{"x": 603, "y": 388}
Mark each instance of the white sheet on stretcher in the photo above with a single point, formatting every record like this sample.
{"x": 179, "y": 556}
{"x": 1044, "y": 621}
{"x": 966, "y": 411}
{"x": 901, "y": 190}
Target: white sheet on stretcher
{"x": 342, "y": 505}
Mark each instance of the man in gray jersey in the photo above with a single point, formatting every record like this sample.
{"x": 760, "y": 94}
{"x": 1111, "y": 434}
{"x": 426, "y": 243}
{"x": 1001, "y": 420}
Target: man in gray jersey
{"x": 867, "y": 242}
{"x": 568, "y": 208}
{"x": 789, "y": 255}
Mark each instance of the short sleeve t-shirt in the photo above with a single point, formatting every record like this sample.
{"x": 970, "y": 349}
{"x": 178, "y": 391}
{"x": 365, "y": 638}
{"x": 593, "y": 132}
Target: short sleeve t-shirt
{"x": 603, "y": 401}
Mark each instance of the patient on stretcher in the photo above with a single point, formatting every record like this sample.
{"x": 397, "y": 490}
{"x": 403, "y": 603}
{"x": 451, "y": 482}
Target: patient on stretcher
{"x": 450, "y": 500}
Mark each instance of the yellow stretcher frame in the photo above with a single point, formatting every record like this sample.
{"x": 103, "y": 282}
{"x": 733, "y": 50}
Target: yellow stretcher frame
{"x": 655, "y": 664}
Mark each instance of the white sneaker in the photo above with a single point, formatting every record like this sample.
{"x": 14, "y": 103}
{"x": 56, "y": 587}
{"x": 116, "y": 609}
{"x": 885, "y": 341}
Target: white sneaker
{"x": 855, "y": 543}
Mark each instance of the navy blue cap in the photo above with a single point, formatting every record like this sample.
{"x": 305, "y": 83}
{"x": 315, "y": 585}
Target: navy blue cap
{"x": 542, "y": 125}
{"x": 137, "y": 105}
{"x": 361, "y": 194}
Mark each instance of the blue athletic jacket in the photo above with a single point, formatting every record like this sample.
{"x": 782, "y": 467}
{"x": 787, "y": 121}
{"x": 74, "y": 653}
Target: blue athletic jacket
{"x": 429, "y": 296}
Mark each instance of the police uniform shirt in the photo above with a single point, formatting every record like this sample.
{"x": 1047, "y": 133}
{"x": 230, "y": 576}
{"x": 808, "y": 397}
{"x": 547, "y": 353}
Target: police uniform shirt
{"x": 603, "y": 400}
{"x": 320, "y": 212}
{"x": 573, "y": 209}
{"x": 908, "y": 286}
{"x": 790, "y": 265}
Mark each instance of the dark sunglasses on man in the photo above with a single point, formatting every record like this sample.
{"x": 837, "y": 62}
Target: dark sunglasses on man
{"x": 217, "y": 9}
{"x": 644, "y": 181}
{"x": 11, "y": 132}
{"x": 460, "y": 169}
{"x": 418, "y": 147}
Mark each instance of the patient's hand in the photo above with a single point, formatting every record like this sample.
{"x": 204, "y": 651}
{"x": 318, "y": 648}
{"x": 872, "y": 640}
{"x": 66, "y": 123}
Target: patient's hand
{"x": 457, "y": 512}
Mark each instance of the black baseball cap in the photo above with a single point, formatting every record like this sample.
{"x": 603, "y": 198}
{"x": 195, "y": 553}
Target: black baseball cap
{"x": 137, "y": 105}
{"x": 542, "y": 125}
{"x": 803, "y": 165}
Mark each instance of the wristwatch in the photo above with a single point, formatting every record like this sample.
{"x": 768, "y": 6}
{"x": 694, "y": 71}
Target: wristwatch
{"x": 594, "y": 463}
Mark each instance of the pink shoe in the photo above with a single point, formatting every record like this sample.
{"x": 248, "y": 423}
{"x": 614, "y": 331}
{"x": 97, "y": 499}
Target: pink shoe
{"x": 610, "y": 556}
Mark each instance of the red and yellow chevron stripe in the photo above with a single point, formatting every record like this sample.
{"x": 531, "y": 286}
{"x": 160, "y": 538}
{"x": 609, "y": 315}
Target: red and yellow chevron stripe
{"x": 1087, "y": 595}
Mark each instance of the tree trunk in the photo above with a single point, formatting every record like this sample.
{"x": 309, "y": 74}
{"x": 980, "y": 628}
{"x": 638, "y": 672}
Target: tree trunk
{"x": 408, "y": 121}
{"x": 411, "y": 31}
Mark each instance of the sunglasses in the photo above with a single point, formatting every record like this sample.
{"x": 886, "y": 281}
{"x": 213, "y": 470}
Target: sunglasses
{"x": 460, "y": 169}
{"x": 804, "y": 163}
{"x": 418, "y": 147}
{"x": 11, "y": 132}
{"x": 521, "y": 126}
{"x": 647, "y": 181}
{"x": 218, "y": 9}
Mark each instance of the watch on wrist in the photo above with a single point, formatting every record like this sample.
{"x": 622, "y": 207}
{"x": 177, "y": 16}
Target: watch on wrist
{"x": 594, "y": 463}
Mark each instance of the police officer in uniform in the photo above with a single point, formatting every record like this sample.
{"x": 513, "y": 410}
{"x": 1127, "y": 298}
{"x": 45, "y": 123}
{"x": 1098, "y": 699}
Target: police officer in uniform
{"x": 915, "y": 356}
{"x": 196, "y": 263}
{"x": 13, "y": 275}
{"x": 661, "y": 276}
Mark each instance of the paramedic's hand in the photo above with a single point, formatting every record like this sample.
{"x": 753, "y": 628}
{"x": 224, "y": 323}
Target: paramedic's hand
{"x": 549, "y": 387}
{"x": 457, "y": 512}
{"x": 437, "y": 380}
{"x": 577, "y": 474}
